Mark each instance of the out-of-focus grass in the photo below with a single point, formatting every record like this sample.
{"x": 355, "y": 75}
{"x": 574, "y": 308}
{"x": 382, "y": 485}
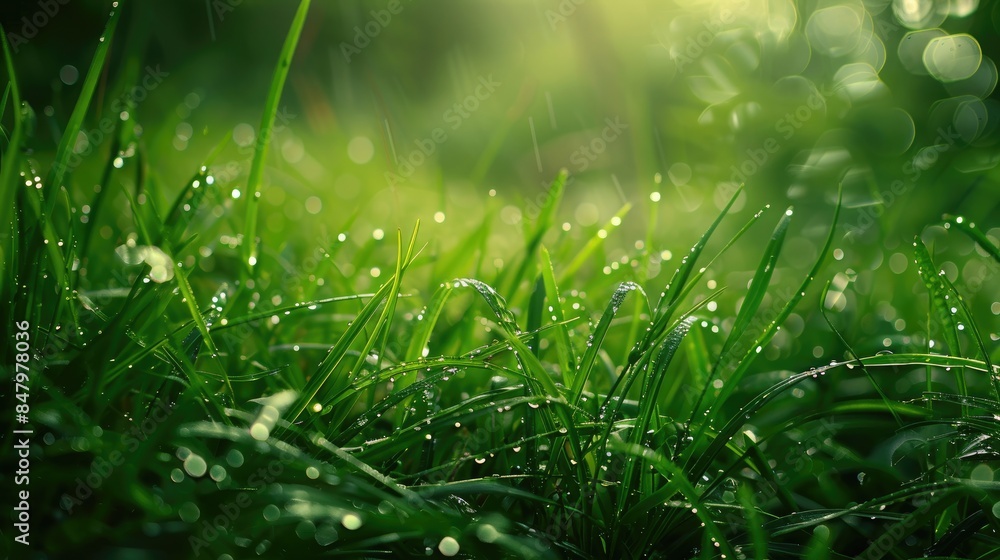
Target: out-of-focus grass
{"x": 510, "y": 378}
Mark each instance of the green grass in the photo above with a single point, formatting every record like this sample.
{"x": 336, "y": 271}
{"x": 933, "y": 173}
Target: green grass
{"x": 449, "y": 410}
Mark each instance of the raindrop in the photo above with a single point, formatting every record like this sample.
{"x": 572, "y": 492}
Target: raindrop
{"x": 351, "y": 522}
{"x": 448, "y": 546}
{"x": 189, "y": 512}
{"x": 217, "y": 473}
{"x": 234, "y": 458}
{"x": 325, "y": 535}
{"x": 271, "y": 512}
{"x": 195, "y": 465}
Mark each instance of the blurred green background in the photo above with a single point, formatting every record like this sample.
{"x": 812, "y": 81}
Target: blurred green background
{"x": 461, "y": 113}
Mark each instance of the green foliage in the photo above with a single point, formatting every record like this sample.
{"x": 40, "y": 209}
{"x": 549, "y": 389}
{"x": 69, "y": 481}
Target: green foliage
{"x": 177, "y": 410}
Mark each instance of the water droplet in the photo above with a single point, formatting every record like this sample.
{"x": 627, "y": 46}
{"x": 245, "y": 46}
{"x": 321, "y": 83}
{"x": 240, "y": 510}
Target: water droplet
{"x": 271, "y": 512}
{"x": 448, "y": 546}
{"x": 351, "y": 522}
{"x": 195, "y": 465}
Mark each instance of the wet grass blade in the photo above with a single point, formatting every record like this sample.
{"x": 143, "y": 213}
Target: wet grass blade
{"x": 264, "y": 135}
{"x": 596, "y": 339}
{"x": 593, "y": 243}
{"x": 958, "y": 300}
{"x": 199, "y": 320}
{"x": 936, "y": 360}
{"x": 69, "y": 135}
{"x": 768, "y": 333}
{"x": 339, "y": 353}
{"x": 187, "y": 203}
{"x": 758, "y": 285}
{"x": 534, "y": 234}
{"x": 944, "y": 303}
{"x": 975, "y": 234}
{"x": 678, "y": 480}
{"x": 564, "y": 347}
{"x": 854, "y": 355}
{"x": 380, "y": 336}
{"x": 679, "y": 280}
{"x": 11, "y": 158}
{"x": 929, "y": 275}
{"x": 654, "y": 377}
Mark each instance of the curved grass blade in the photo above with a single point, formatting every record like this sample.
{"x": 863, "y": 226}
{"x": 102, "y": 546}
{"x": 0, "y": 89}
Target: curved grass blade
{"x": 875, "y": 384}
{"x": 534, "y": 236}
{"x": 564, "y": 346}
{"x": 744, "y": 364}
{"x": 679, "y": 482}
{"x": 975, "y": 234}
{"x": 936, "y": 360}
{"x": 11, "y": 158}
{"x": 655, "y": 374}
{"x": 264, "y": 137}
{"x": 596, "y": 339}
{"x": 758, "y": 285}
{"x": 725, "y": 435}
{"x": 68, "y": 140}
{"x": 593, "y": 243}
{"x": 199, "y": 321}
{"x": 939, "y": 492}
{"x": 336, "y": 356}
{"x": 946, "y": 303}
{"x": 679, "y": 279}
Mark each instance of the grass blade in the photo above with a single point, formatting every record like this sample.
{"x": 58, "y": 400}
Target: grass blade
{"x": 264, "y": 136}
{"x": 564, "y": 347}
{"x": 68, "y": 140}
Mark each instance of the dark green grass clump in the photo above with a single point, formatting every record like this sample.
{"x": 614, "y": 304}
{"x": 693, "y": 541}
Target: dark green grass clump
{"x": 178, "y": 413}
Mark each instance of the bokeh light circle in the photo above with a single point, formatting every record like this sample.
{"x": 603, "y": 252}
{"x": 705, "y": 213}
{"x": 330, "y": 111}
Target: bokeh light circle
{"x": 953, "y": 57}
